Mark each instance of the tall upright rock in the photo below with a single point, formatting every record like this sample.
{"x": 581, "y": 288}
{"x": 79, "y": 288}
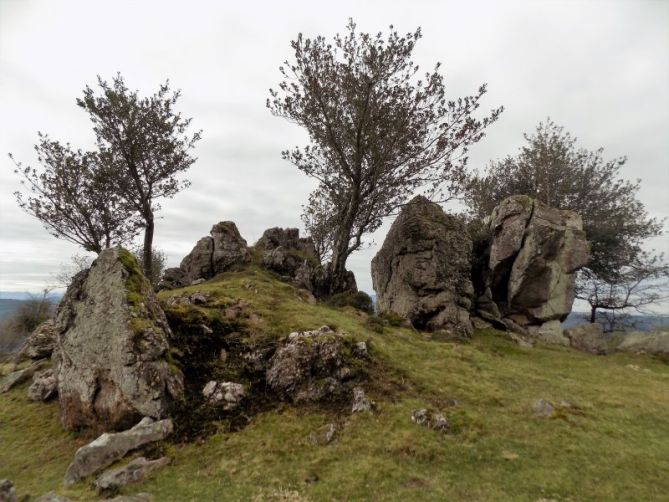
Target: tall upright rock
{"x": 111, "y": 355}
{"x": 422, "y": 271}
{"x": 534, "y": 254}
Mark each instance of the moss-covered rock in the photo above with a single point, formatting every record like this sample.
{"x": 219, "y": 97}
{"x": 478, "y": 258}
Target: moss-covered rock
{"x": 112, "y": 346}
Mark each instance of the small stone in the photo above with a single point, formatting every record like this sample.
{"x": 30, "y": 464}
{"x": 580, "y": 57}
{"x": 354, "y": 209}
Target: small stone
{"x": 360, "y": 350}
{"x": 324, "y": 329}
{"x": 18, "y": 377}
{"x": 439, "y": 423}
{"x": 223, "y": 356}
{"x": 542, "y": 408}
{"x": 44, "y": 386}
{"x": 360, "y": 401}
{"x": 7, "y": 491}
{"x": 507, "y": 455}
{"x": 420, "y": 416}
{"x": 111, "y": 481}
{"x": 324, "y": 435}
{"x": 229, "y": 394}
{"x": 135, "y": 497}
{"x": 206, "y": 330}
{"x": 198, "y": 298}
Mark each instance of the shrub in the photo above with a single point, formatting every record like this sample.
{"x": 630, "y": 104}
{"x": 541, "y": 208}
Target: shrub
{"x": 359, "y": 300}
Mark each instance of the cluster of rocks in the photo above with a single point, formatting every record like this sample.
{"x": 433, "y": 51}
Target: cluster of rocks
{"x": 524, "y": 279}
{"x": 280, "y": 250}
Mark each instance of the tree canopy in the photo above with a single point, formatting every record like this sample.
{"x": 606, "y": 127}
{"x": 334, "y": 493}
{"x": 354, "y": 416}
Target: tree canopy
{"x": 74, "y": 197}
{"x": 378, "y": 131}
{"x": 144, "y": 143}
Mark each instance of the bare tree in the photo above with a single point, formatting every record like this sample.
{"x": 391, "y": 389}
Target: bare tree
{"x": 634, "y": 287}
{"x": 74, "y": 197}
{"x": 78, "y": 263}
{"x": 143, "y": 141}
{"x": 378, "y": 132}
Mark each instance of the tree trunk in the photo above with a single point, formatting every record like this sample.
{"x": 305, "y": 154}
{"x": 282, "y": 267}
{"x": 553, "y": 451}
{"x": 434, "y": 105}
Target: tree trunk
{"x": 147, "y": 257}
{"x": 337, "y": 267}
{"x": 593, "y": 313}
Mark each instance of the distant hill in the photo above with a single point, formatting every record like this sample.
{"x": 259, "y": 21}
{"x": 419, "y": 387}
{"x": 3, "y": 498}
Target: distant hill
{"x": 8, "y": 307}
{"x": 639, "y": 322}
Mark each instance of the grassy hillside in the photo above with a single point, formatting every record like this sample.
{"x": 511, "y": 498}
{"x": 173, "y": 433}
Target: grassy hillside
{"x": 611, "y": 444}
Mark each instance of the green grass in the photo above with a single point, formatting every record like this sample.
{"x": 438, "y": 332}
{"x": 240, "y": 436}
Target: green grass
{"x": 612, "y": 444}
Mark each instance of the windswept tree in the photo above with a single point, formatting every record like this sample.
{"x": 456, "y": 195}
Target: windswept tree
{"x": 144, "y": 142}
{"x": 552, "y": 169}
{"x": 74, "y": 197}
{"x": 378, "y": 132}
{"x": 633, "y": 288}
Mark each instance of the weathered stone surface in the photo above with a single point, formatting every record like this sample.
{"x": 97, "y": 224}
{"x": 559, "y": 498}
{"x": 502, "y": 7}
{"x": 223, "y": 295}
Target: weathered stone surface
{"x": 110, "y": 361}
{"x": 588, "y": 337}
{"x": 40, "y": 343}
{"x": 534, "y": 254}
{"x": 646, "y": 343}
{"x": 227, "y": 394}
{"x": 7, "y": 491}
{"x": 212, "y": 255}
{"x": 360, "y": 401}
{"x": 284, "y": 251}
{"x": 15, "y": 378}
{"x": 542, "y": 408}
{"x": 426, "y": 418}
{"x": 549, "y": 332}
{"x": 109, "y": 482}
{"x": 44, "y": 386}
{"x": 311, "y": 365}
{"x": 422, "y": 271}
{"x": 110, "y": 447}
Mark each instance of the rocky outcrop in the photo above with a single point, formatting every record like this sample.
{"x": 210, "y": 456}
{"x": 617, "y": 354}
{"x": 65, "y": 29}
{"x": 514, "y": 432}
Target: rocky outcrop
{"x": 40, "y": 343}
{"x": 110, "y": 482}
{"x": 44, "y": 386}
{"x": 212, "y": 255}
{"x": 532, "y": 259}
{"x": 284, "y": 251}
{"x": 226, "y": 394}
{"x": 312, "y": 365}
{"x": 111, "y": 357}
{"x": 588, "y": 338}
{"x": 423, "y": 269}
{"x": 108, "y": 448}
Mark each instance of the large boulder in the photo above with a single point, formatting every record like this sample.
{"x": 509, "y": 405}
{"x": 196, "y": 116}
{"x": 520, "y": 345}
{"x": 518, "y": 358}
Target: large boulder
{"x": 589, "y": 337}
{"x": 110, "y": 447}
{"x": 111, "y": 355}
{"x": 533, "y": 256}
{"x": 656, "y": 343}
{"x": 212, "y": 255}
{"x": 423, "y": 269}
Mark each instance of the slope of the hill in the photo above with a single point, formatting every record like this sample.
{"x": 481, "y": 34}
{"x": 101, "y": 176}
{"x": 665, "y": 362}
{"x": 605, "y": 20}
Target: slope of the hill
{"x": 612, "y": 443}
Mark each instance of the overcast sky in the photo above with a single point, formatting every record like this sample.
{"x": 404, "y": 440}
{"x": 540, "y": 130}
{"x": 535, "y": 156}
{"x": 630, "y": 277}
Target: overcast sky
{"x": 599, "y": 68}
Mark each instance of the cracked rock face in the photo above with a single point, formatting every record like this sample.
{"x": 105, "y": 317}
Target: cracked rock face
{"x": 110, "y": 358}
{"x": 227, "y": 394}
{"x": 423, "y": 270}
{"x": 212, "y": 255}
{"x": 534, "y": 254}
